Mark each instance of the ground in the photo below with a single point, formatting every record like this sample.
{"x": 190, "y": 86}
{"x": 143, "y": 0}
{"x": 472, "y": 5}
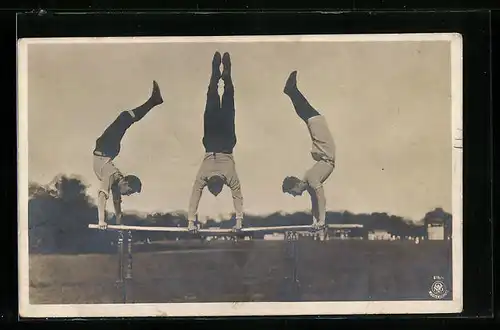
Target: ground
{"x": 192, "y": 271}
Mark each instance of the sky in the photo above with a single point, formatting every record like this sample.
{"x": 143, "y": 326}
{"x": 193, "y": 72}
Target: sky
{"x": 387, "y": 104}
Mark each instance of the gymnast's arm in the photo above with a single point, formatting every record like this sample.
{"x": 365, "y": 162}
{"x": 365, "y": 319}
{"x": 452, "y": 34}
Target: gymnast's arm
{"x": 117, "y": 203}
{"x": 318, "y": 203}
{"x": 319, "y": 196}
{"x": 320, "y": 193}
{"x": 196, "y": 193}
{"x": 235, "y": 186}
{"x": 101, "y": 208}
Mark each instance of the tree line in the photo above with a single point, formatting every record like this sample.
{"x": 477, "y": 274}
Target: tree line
{"x": 59, "y": 215}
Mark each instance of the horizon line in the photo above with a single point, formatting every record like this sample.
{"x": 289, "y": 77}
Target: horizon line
{"x": 83, "y": 180}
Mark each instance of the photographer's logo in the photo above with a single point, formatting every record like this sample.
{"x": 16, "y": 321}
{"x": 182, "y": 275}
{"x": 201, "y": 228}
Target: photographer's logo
{"x": 438, "y": 288}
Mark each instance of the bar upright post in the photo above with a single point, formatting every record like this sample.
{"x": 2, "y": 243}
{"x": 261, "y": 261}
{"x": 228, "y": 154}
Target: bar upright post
{"x": 120, "y": 257}
{"x": 128, "y": 275}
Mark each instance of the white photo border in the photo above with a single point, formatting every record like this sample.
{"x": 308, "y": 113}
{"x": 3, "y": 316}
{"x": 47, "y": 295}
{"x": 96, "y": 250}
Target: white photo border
{"x": 243, "y": 308}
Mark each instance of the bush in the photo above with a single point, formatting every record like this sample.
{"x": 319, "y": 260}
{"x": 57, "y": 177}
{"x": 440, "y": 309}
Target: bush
{"x": 59, "y": 216}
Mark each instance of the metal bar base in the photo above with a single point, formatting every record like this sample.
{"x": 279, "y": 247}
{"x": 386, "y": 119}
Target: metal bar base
{"x": 124, "y": 276}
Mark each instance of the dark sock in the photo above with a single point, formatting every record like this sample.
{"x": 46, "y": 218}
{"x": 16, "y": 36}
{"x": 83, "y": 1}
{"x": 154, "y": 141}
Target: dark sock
{"x": 143, "y": 109}
{"x": 226, "y": 73}
{"x": 216, "y": 61}
{"x": 291, "y": 83}
{"x": 228, "y": 84}
{"x": 154, "y": 100}
{"x": 302, "y": 107}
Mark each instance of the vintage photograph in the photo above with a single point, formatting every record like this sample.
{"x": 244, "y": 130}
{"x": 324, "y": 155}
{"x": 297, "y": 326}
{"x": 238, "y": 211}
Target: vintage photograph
{"x": 239, "y": 176}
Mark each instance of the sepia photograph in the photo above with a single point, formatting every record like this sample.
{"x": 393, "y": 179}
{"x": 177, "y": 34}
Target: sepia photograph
{"x": 240, "y": 175}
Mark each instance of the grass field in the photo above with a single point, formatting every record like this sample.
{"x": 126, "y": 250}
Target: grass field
{"x": 223, "y": 271}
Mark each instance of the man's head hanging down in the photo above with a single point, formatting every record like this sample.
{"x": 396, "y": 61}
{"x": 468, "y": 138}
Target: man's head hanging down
{"x": 215, "y": 184}
{"x": 130, "y": 184}
{"x": 293, "y": 186}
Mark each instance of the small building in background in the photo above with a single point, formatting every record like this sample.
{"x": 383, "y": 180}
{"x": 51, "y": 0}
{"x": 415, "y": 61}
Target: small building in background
{"x": 438, "y": 224}
{"x": 435, "y": 229}
{"x": 340, "y": 234}
{"x": 305, "y": 233}
{"x": 435, "y": 232}
{"x": 356, "y": 232}
{"x": 379, "y": 234}
{"x": 274, "y": 236}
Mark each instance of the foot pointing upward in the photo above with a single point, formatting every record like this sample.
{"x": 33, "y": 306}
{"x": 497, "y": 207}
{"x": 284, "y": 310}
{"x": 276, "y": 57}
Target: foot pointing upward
{"x": 291, "y": 83}
{"x": 156, "y": 97}
{"x": 226, "y": 62}
{"x": 216, "y": 60}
